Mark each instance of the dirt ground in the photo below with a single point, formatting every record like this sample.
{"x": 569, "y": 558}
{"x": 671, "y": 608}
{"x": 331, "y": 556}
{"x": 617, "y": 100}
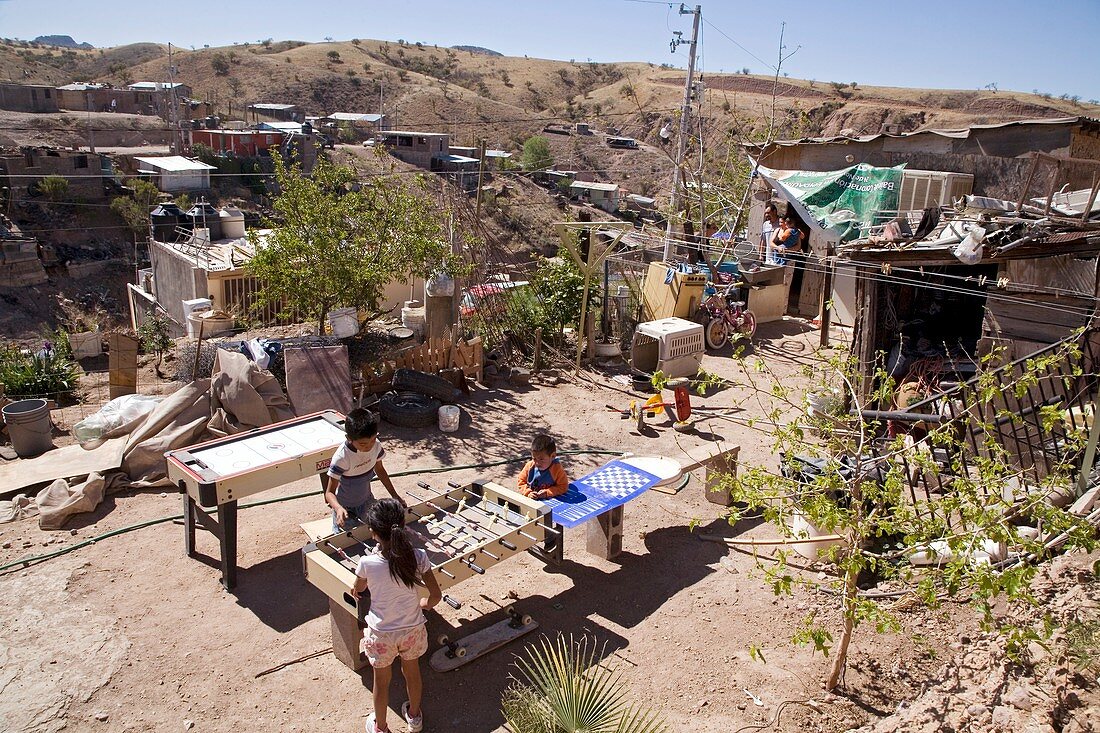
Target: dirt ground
{"x": 128, "y": 634}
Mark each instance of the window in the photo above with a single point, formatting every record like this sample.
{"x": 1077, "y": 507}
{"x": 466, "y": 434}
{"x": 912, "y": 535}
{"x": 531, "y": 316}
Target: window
{"x": 48, "y": 93}
{"x": 421, "y": 141}
{"x": 404, "y": 142}
{"x": 28, "y": 158}
{"x": 80, "y": 161}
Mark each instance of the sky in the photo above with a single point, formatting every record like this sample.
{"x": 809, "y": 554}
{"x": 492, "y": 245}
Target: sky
{"x": 1016, "y": 45}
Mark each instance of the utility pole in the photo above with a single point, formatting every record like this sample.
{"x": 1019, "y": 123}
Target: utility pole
{"x": 685, "y": 113}
{"x": 480, "y": 177}
{"x": 173, "y": 107}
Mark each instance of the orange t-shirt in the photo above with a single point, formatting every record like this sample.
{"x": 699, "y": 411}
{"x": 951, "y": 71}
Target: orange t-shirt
{"x": 553, "y": 480}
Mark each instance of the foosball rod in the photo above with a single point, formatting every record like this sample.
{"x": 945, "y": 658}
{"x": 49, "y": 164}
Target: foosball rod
{"x": 502, "y": 517}
{"x": 446, "y": 598}
{"x": 468, "y": 522}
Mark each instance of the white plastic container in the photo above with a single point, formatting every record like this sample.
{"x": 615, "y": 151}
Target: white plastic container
{"x": 232, "y": 220}
{"x": 449, "y": 418}
{"x": 344, "y": 322}
{"x": 193, "y": 308}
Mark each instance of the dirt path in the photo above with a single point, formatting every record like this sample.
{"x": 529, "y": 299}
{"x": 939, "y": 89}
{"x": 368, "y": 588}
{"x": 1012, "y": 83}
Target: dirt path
{"x": 131, "y": 630}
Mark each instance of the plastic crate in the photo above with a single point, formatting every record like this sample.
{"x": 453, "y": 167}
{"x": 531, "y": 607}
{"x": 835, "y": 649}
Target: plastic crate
{"x": 672, "y": 345}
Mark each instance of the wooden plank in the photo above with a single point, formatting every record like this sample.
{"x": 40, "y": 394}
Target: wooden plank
{"x": 122, "y": 363}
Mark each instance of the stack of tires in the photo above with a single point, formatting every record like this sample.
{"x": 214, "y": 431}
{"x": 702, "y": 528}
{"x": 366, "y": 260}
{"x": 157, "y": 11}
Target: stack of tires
{"x": 416, "y": 398}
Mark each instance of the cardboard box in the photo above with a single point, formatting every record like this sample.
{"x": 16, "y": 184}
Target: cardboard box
{"x": 768, "y": 303}
{"x": 677, "y": 298}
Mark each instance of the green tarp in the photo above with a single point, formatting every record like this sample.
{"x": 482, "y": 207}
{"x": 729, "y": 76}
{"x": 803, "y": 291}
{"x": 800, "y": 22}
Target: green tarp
{"x": 845, "y": 200}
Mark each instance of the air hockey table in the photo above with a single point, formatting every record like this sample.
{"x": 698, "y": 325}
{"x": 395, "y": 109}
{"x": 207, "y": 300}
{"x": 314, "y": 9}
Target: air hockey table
{"x": 218, "y": 473}
{"x": 466, "y": 531}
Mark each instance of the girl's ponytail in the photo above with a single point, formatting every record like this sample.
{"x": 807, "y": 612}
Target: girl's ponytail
{"x": 386, "y": 518}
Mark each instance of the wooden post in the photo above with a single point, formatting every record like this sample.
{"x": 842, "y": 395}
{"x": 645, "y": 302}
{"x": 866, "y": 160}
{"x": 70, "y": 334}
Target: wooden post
{"x": 590, "y": 336}
{"x": 1027, "y": 183}
{"x": 1051, "y": 187}
{"x": 825, "y": 313}
{"x": 198, "y": 350}
{"x": 538, "y": 350}
{"x": 1092, "y": 198}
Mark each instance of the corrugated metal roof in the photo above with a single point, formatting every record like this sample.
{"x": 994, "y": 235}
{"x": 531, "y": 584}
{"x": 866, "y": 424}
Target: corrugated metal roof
{"x": 267, "y": 105}
{"x": 353, "y": 117}
{"x": 595, "y": 186}
{"x": 958, "y": 133}
{"x": 142, "y": 86}
{"x": 175, "y": 164}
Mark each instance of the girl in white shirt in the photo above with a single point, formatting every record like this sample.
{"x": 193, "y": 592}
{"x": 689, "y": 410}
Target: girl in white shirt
{"x": 396, "y": 626}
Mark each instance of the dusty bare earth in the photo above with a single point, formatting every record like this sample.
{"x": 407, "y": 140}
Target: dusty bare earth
{"x": 130, "y": 635}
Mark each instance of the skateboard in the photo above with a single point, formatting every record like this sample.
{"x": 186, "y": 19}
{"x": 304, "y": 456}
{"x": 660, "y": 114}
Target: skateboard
{"x": 454, "y": 654}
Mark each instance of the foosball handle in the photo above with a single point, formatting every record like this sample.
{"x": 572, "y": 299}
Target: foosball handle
{"x": 451, "y": 602}
{"x": 423, "y": 485}
{"x": 454, "y": 484}
{"x": 507, "y": 545}
{"x": 475, "y": 567}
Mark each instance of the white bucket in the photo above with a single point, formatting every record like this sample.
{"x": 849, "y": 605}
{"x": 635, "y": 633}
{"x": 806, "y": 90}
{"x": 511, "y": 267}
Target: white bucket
{"x": 412, "y": 316}
{"x": 344, "y": 322}
{"x": 29, "y": 427}
{"x": 86, "y": 344}
{"x": 809, "y": 550}
{"x": 449, "y": 417}
{"x": 210, "y": 327}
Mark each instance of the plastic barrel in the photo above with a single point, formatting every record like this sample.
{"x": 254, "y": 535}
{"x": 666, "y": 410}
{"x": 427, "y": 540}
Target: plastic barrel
{"x": 29, "y": 427}
{"x": 344, "y": 322}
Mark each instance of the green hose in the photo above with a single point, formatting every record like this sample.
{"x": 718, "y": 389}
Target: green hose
{"x": 34, "y": 559}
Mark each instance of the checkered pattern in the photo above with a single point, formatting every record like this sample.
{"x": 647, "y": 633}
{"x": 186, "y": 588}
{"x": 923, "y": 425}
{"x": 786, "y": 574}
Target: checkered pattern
{"x": 605, "y": 488}
{"x": 617, "y": 480}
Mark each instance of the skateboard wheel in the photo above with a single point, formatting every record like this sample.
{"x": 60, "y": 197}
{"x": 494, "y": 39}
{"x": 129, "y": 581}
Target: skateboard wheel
{"x": 511, "y": 611}
{"x": 527, "y": 620}
{"x": 460, "y": 652}
{"x": 444, "y": 639}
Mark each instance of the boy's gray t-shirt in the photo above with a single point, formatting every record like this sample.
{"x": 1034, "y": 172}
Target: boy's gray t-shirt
{"x": 355, "y": 469}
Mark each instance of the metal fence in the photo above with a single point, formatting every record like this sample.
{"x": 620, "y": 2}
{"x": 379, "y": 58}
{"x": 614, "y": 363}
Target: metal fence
{"x": 1026, "y": 417}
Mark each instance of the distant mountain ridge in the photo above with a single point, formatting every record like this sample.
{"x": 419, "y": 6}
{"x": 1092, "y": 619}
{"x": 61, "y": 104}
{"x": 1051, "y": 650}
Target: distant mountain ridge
{"x": 62, "y": 41}
{"x": 478, "y": 49}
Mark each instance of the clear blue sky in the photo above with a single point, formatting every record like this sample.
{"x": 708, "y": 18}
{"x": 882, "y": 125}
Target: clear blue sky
{"x": 1017, "y": 44}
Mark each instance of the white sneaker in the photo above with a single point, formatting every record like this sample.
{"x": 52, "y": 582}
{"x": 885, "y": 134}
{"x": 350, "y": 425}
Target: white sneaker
{"x": 372, "y": 726}
{"x": 415, "y": 724}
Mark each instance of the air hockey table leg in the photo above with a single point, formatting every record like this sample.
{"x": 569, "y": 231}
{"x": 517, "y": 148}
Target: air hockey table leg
{"x": 227, "y": 521}
{"x": 188, "y": 523}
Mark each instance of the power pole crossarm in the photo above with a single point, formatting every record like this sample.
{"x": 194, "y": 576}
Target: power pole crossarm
{"x": 681, "y": 142}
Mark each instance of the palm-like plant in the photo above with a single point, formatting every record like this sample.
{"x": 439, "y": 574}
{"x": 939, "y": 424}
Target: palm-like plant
{"x": 564, "y": 689}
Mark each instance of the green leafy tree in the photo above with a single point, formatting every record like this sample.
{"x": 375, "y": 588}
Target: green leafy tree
{"x": 338, "y": 241}
{"x": 156, "y": 337}
{"x": 536, "y": 153}
{"x": 862, "y": 495}
{"x": 135, "y": 211}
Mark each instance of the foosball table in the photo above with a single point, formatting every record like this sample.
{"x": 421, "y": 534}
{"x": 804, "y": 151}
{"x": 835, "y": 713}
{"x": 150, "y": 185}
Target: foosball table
{"x": 466, "y": 530}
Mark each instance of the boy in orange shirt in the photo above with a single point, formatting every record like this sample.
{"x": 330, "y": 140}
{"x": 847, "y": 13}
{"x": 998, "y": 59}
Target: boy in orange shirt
{"x": 543, "y": 477}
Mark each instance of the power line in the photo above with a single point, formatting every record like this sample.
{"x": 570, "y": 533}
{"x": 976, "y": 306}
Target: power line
{"x": 735, "y": 43}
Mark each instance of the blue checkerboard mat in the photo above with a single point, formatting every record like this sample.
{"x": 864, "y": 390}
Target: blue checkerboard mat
{"x": 607, "y": 487}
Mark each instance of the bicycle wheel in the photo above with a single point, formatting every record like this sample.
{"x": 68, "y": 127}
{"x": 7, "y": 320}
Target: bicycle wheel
{"x": 748, "y": 324}
{"x": 715, "y": 333}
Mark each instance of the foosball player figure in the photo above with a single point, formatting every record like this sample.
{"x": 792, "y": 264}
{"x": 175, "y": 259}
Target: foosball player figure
{"x": 543, "y": 477}
{"x": 396, "y": 627}
{"x": 354, "y": 465}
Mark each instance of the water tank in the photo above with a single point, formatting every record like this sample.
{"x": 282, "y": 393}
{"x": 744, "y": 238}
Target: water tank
{"x": 232, "y": 222}
{"x": 204, "y": 215}
{"x": 166, "y": 218}
{"x": 211, "y": 123}
{"x": 307, "y": 128}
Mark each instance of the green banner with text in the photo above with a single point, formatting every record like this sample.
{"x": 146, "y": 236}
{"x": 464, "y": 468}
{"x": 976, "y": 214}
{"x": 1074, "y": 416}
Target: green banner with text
{"x": 845, "y": 200}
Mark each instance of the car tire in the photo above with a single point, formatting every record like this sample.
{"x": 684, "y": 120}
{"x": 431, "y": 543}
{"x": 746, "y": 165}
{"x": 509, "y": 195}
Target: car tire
{"x": 412, "y": 380}
{"x": 409, "y": 409}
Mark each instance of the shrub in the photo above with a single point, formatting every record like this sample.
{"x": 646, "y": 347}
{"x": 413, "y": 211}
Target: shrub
{"x": 44, "y": 373}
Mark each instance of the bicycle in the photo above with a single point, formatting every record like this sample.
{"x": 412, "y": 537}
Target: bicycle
{"x": 722, "y": 316}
